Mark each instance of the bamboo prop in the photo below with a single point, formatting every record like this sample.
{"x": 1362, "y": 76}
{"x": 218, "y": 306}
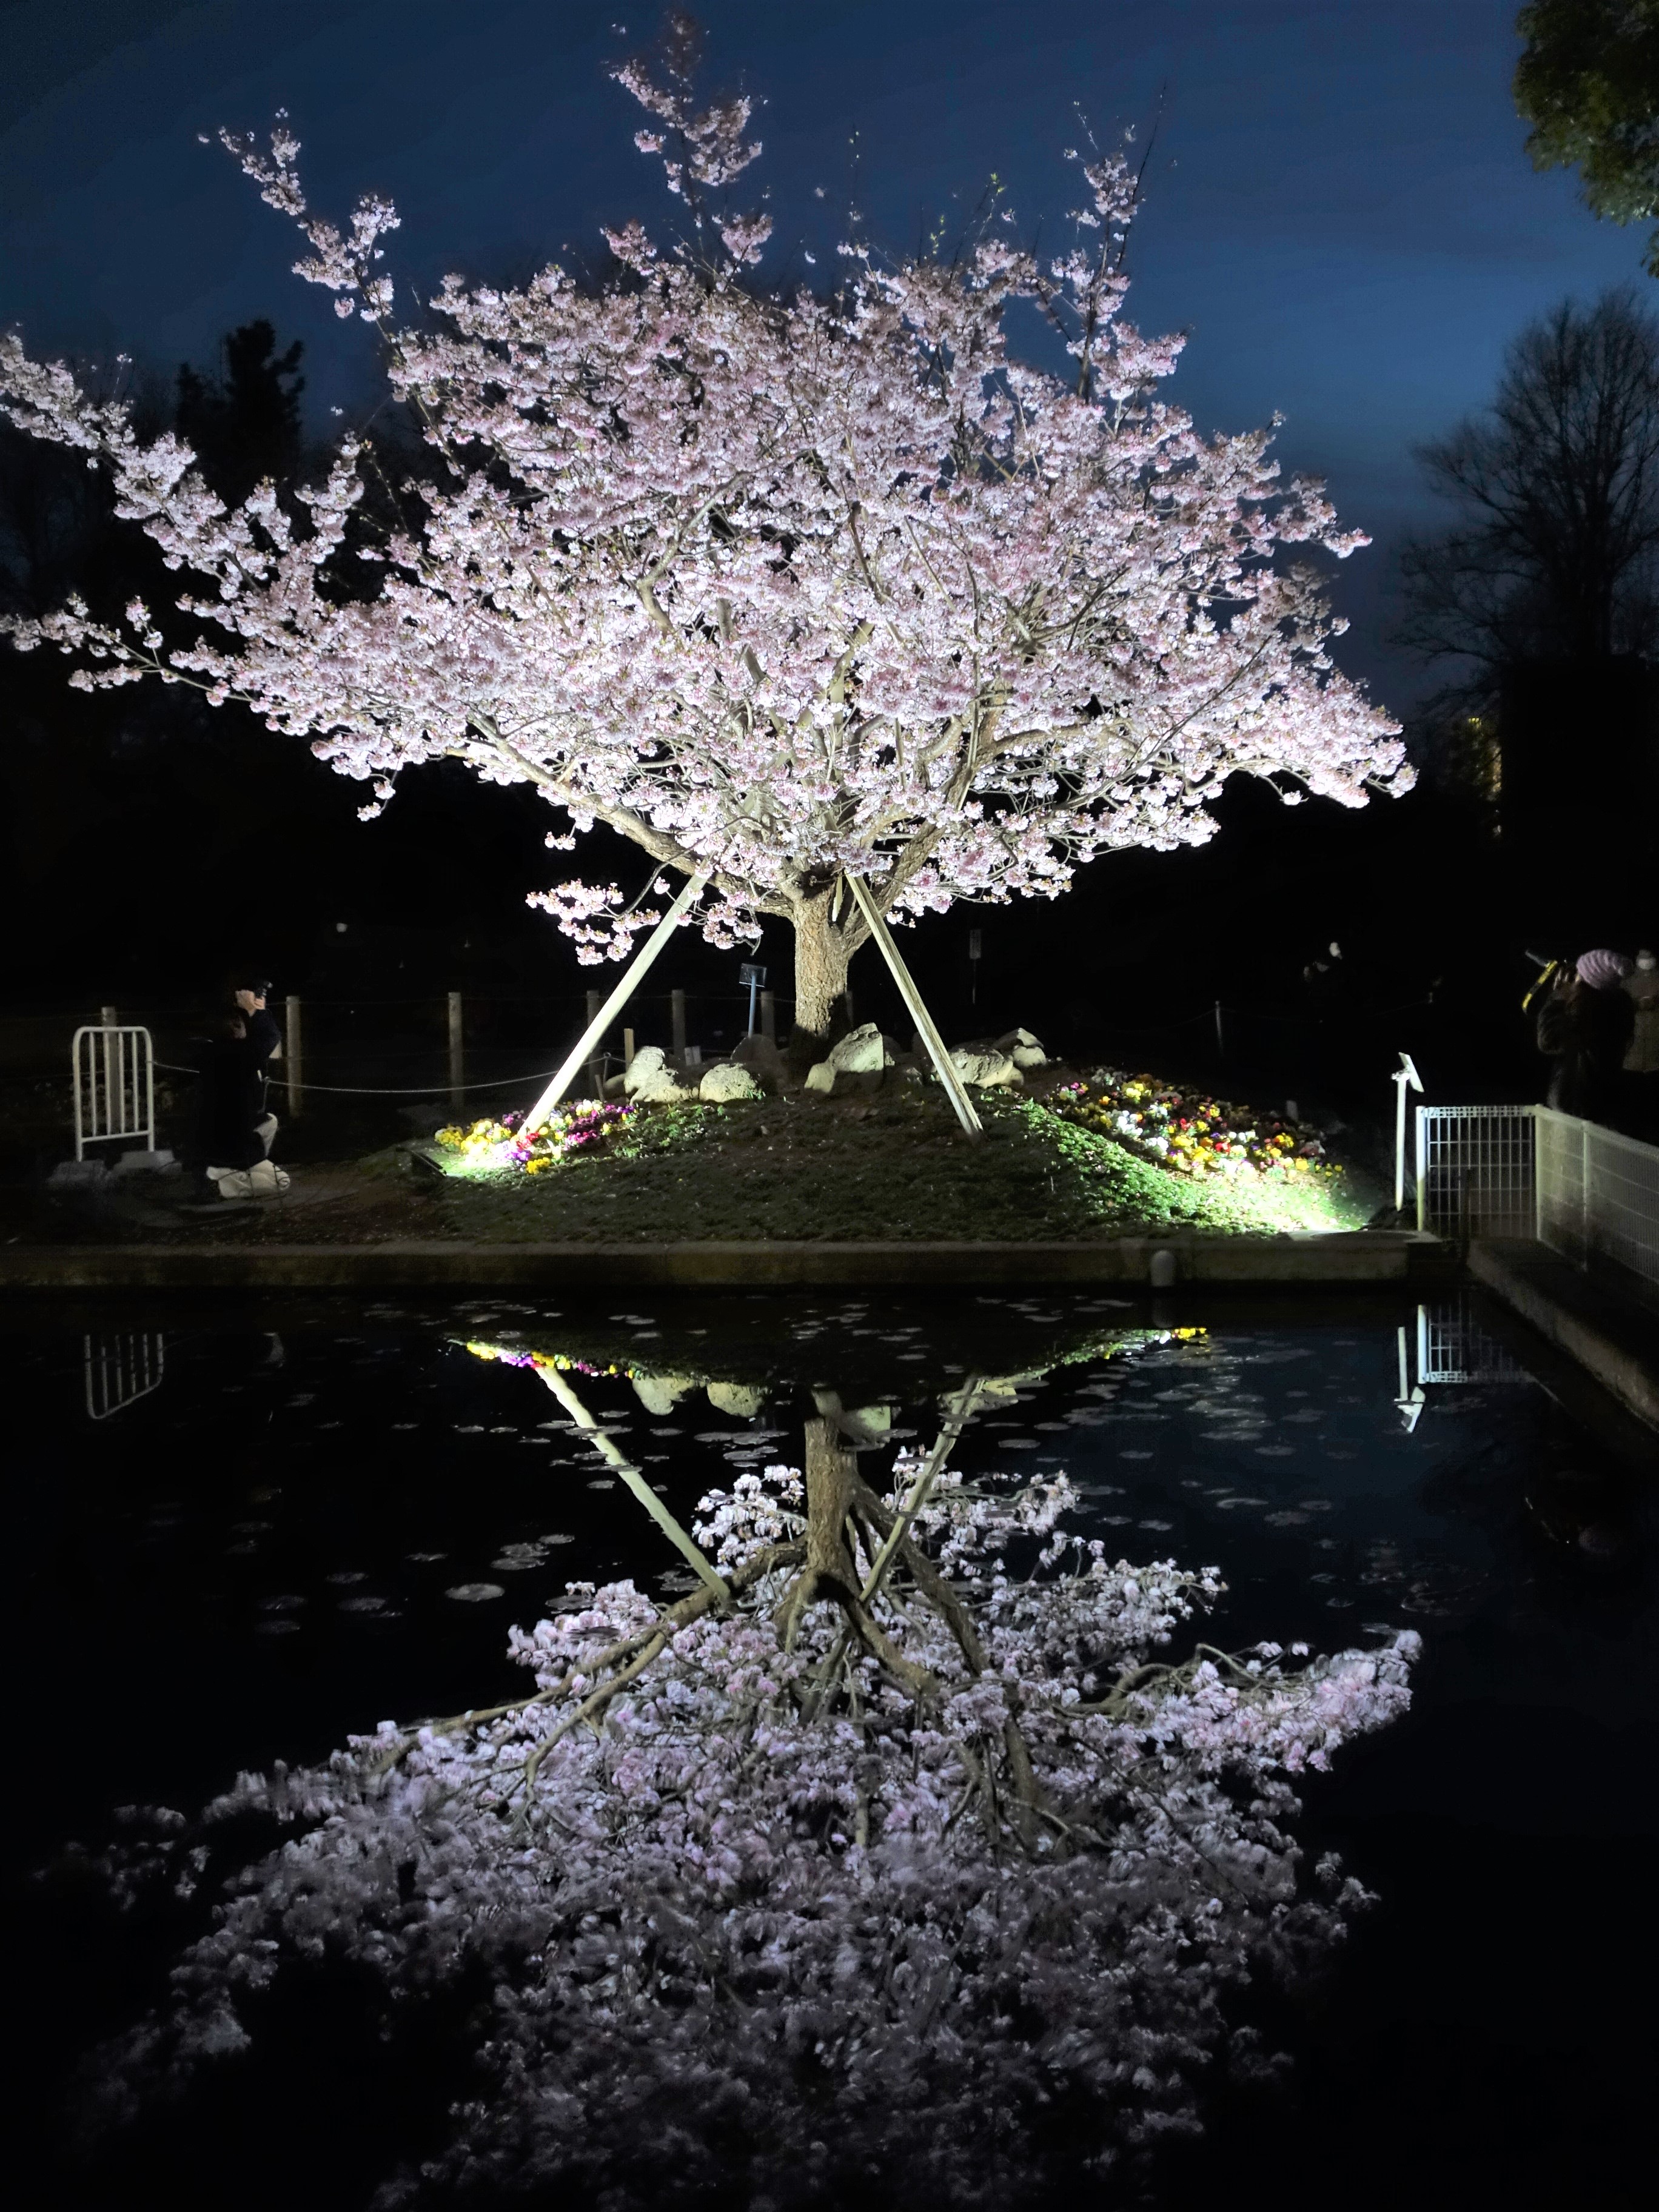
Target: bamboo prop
{"x": 916, "y": 1006}
{"x": 585, "y": 1046}
{"x": 957, "y": 1418}
{"x": 636, "y": 1482}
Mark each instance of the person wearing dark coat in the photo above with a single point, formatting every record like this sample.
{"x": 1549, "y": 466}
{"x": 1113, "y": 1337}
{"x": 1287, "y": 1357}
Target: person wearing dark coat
{"x": 230, "y": 1100}
{"x": 1584, "y": 1026}
{"x": 267, "y": 1039}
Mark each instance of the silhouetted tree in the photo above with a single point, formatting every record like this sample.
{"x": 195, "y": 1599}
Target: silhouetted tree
{"x": 246, "y": 425}
{"x": 1588, "y": 82}
{"x": 1555, "y": 551}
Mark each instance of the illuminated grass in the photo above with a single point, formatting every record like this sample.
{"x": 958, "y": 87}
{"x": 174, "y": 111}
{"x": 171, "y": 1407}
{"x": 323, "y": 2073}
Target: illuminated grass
{"x": 893, "y": 1167}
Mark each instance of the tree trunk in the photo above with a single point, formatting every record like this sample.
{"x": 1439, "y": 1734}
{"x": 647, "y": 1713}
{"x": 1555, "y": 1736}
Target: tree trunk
{"x": 823, "y": 950}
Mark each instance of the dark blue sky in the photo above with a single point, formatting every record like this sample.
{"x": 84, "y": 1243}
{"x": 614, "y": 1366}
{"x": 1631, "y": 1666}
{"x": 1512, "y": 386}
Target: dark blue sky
{"x": 1340, "y": 212}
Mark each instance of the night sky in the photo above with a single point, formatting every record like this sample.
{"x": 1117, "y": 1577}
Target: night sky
{"x": 1340, "y": 209}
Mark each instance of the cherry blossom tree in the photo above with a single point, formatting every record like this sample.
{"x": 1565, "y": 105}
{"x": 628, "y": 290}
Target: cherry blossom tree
{"x": 784, "y": 585}
{"x": 890, "y": 1859}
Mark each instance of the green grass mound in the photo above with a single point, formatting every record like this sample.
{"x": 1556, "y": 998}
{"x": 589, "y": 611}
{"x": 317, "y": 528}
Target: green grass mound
{"x": 892, "y": 1166}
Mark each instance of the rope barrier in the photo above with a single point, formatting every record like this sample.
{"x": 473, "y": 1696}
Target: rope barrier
{"x": 364, "y": 1091}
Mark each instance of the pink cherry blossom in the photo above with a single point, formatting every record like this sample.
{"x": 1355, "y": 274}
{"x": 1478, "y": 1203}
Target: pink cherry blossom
{"x": 779, "y": 585}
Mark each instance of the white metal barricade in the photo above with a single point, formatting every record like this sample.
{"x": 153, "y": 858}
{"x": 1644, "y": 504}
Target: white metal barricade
{"x": 115, "y": 1086}
{"x": 1474, "y": 1170}
{"x": 1528, "y": 1172}
{"x": 1453, "y": 1348}
{"x": 119, "y": 1369}
{"x": 1597, "y": 1194}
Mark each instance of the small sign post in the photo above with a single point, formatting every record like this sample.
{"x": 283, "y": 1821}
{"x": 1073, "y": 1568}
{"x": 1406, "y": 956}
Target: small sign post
{"x": 753, "y": 977}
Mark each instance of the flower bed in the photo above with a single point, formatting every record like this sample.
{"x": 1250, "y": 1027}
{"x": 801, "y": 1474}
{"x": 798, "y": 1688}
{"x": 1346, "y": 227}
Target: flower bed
{"x": 1185, "y": 1130}
{"x": 506, "y": 1146}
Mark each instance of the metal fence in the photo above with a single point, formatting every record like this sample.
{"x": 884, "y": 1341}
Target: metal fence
{"x": 1475, "y": 1171}
{"x": 1597, "y": 1194}
{"x": 119, "y": 1369}
{"x": 1528, "y": 1172}
{"x": 1453, "y": 1348}
{"x": 114, "y": 1085}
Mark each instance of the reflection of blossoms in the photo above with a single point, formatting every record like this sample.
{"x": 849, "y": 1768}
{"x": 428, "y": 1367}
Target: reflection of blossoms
{"x": 933, "y": 1891}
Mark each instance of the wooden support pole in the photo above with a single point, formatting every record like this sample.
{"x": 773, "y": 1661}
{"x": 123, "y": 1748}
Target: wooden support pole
{"x": 916, "y": 1006}
{"x": 294, "y": 1057}
{"x": 456, "y": 1055}
{"x": 583, "y": 1048}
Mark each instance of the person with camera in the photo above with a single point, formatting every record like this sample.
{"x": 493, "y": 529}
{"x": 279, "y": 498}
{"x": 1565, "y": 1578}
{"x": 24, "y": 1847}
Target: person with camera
{"x": 266, "y": 1041}
{"x": 1585, "y": 1025}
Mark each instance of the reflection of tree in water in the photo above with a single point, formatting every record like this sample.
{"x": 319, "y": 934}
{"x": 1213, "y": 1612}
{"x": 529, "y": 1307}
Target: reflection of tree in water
{"x": 884, "y": 1859}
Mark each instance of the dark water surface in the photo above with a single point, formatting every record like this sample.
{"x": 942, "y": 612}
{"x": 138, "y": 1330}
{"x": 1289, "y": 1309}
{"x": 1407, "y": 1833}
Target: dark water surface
{"x": 241, "y": 1536}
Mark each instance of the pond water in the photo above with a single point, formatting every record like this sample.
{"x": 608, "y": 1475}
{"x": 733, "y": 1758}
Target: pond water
{"x": 241, "y": 1538}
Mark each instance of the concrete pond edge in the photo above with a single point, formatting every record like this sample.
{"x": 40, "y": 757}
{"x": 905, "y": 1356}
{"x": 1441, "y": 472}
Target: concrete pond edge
{"x": 1359, "y": 1257}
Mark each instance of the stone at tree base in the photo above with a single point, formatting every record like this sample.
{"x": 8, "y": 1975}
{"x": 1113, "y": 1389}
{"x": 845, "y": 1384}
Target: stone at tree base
{"x": 1022, "y": 1048}
{"x": 860, "y": 1052}
{"x": 985, "y": 1069}
{"x": 737, "y": 1399}
{"x": 650, "y": 1080}
{"x": 727, "y": 1082}
{"x": 761, "y": 1056}
{"x": 660, "y": 1393}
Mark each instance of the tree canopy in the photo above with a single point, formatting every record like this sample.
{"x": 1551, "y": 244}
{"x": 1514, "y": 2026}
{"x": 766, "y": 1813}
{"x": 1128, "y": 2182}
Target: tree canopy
{"x": 781, "y": 586}
{"x": 1588, "y": 82}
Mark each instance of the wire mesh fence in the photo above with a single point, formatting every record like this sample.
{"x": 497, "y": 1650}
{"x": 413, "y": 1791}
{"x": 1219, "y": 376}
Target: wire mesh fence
{"x": 1528, "y": 1172}
{"x": 1597, "y": 1194}
{"x": 1452, "y": 1346}
{"x": 1475, "y": 1171}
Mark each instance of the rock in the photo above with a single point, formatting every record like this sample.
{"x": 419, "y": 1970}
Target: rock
{"x": 726, "y": 1082}
{"x": 77, "y": 1175}
{"x": 160, "y": 1161}
{"x": 645, "y": 1067}
{"x": 985, "y": 1069}
{"x": 660, "y": 1393}
{"x": 821, "y": 1077}
{"x": 860, "y": 1052}
{"x": 650, "y": 1081}
{"x": 737, "y": 1399}
{"x": 1022, "y": 1048}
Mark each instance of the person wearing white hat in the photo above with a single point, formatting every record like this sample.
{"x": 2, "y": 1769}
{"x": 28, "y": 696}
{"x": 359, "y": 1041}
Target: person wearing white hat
{"x": 1584, "y": 1026}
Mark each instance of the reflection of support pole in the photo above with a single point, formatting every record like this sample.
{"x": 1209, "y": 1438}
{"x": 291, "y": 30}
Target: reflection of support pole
{"x": 614, "y": 1004}
{"x": 917, "y": 1008}
{"x": 630, "y": 1474}
{"x": 956, "y": 1420}
{"x": 1410, "y": 1403}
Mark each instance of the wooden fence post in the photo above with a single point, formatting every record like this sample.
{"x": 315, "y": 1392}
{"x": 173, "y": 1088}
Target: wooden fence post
{"x": 677, "y": 1003}
{"x": 628, "y": 1050}
{"x": 456, "y": 1055}
{"x": 293, "y": 1057}
{"x": 769, "y": 1016}
{"x": 108, "y": 1018}
{"x": 596, "y": 1065}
